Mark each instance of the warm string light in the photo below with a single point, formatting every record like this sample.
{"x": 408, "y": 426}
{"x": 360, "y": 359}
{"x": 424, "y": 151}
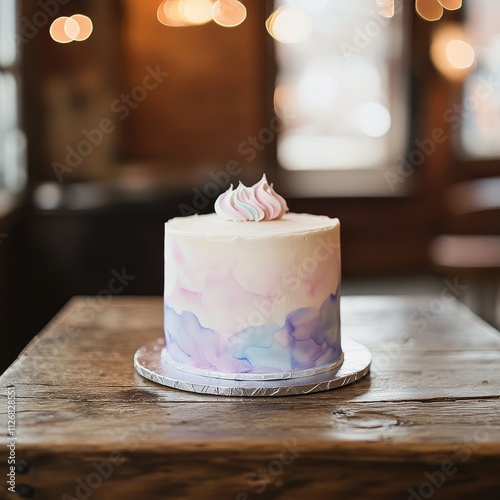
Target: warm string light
{"x": 229, "y": 13}
{"x": 385, "y": 8}
{"x": 76, "y": 28}
{"x": 169, "y": 14}
{"x": 451, "y": 53}
{"x": 451, "y": 4}
{"x": 178, "y": 13}
{"x": 432, "y": 10}
{"x": 286, "y": 25}
{"x": 197, "y": 11}
{"x": 181, "y": 13}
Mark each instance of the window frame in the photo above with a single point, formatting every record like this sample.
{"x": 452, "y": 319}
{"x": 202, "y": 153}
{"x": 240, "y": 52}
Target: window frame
{"x": 359, "y": 182}
{"x": 10, "y": 196}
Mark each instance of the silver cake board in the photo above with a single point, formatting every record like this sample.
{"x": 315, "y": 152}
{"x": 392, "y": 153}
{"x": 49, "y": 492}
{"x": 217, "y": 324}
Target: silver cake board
{"x": 148, "y": 362}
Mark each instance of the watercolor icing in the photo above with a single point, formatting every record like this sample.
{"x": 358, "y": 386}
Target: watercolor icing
{"x": 256, "y": 296}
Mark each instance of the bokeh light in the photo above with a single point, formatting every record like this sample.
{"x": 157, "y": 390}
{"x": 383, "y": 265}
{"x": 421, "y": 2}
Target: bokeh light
{"x": 57, "y": 30}
{"x": 71, "y": 28}
{"x": 68, "y": 29}
{"x": 451, "y": 4}
{"x": 85, "y": 25}
{"x": 197, "y": 11}
{"x": 169, "y": 14}
{"x": 229, "y": 13}
{"x": 385, "y": 8}
{"x": 373, "y": 119}
{"x": 430, "y": 10}
{"x": 281, "y": 99}
{"x": 451, "y": 53}
{"x": 460, "y": 54}
{"x": 289, "y": 25}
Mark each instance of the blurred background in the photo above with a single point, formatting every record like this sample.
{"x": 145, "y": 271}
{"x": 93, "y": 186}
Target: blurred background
{"x": 117, "y": 115}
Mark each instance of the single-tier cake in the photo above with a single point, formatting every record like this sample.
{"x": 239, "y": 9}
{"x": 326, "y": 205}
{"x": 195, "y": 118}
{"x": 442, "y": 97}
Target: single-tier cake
{"x": 252, "y": 292}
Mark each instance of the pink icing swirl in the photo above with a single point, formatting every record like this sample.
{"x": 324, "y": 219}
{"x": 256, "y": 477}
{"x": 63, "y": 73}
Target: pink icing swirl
{"x": 255, "y": 203}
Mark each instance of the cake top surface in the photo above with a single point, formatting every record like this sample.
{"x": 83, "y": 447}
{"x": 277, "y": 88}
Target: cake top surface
{"x": 211, "y": 225}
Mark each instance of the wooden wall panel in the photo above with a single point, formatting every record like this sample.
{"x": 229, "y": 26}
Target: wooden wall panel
{"x": 211, "y": 100}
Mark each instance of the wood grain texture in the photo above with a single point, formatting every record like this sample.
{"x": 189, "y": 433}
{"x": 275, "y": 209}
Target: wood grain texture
{"x": 424, "y": 423}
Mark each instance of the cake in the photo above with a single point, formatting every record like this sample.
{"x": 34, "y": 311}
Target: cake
{"x": 252, "y": 291}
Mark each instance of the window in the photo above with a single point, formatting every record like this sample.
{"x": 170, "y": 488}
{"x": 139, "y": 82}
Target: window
{"x": 341, "y": 90}
{"x": 12, "y": 140}
{"x": 480, "y": 124}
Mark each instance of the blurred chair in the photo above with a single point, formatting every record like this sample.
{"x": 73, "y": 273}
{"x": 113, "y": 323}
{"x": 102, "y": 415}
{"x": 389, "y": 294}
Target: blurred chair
{"x": 470, "y": 251}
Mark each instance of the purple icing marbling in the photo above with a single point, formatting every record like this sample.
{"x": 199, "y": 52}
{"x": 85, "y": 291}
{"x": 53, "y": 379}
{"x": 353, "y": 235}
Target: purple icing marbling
{"x": 309, "y": 340}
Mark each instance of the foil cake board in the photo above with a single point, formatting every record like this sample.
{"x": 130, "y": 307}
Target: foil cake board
{"x": 148, "y": 363}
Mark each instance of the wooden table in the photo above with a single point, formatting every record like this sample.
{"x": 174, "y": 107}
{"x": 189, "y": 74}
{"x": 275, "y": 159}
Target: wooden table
{"x": 425, "y": 423}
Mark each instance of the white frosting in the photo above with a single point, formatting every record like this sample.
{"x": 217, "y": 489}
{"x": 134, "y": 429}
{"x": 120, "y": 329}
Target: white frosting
{"x": 233, "y": 274}
{"x": 212, "y": 227}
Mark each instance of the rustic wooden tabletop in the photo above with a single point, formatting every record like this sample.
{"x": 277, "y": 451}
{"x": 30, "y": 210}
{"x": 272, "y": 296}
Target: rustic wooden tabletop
{"x": 81, "y": 423}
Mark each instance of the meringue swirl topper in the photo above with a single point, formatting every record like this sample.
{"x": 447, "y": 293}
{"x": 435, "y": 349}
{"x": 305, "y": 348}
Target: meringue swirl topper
{"x": 255, "y": 203}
